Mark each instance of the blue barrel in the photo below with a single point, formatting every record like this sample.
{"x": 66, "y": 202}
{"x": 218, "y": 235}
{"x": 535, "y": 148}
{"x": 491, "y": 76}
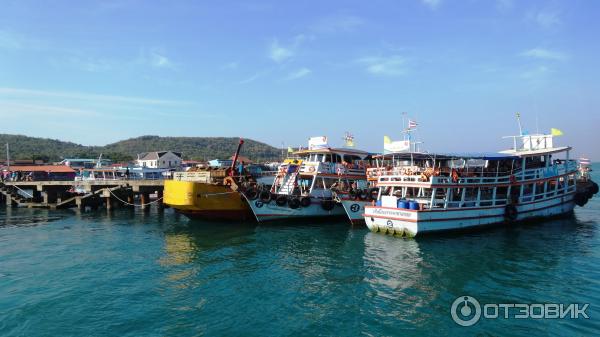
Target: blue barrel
{"x": 403, "y": 204}
{"x": 378, "y": 203}
{"x": 414, "y": 205}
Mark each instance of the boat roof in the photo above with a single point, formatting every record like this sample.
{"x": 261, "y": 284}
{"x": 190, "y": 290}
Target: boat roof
{"x": 447, "y": 155}
{"x": 355, "y": 152}
{"x": 527, "y": 153}
{"x": 43, "y": 168}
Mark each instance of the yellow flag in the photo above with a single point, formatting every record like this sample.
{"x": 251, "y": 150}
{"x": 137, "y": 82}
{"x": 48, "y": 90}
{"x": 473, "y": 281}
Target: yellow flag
{"x": 556, "y": 132}
{"x": 386, "y": 140}
{"x": 290, "y": 150}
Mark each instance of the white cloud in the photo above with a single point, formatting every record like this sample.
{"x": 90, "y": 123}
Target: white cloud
{"x": 160, "y": 61}
{"x": 544, "y": 54}
{"x": 279, "y": 53}
{"x": 91, "y": 64}
{"x": 433, "y": 4}
{"x": 546, "y": 18}
{"x": 155, "y": 58}
{"x": 535, "y": 73}
{"x": 394, "y": 65}
{"x": 27, "y": 93}
{"x": 303, "y": 72}
{"x": 337, "y": 23}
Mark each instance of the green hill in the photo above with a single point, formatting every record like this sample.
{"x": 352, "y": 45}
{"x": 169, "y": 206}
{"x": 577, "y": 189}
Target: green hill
{"x": 198, "y": 148}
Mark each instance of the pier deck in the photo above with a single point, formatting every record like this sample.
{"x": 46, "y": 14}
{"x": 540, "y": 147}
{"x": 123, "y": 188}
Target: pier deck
{"x": 60, "y": 194}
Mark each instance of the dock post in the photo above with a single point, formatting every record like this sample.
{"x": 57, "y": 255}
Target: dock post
{"x": 36, "y": 196}
{"x": 108, "y": 201}
{"x": 145, "y": 199}
{"x": 159, "y": 203}
{"x": 50, "y": 197}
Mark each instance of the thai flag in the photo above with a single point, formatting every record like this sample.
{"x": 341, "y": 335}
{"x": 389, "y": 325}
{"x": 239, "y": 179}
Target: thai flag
{"x": 412, "y": 124}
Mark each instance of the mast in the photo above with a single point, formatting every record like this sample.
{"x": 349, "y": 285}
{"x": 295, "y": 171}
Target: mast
{"x": 7, "y": 158}
{"x": 235, "y": 157}
{"x": 519, "y": 122}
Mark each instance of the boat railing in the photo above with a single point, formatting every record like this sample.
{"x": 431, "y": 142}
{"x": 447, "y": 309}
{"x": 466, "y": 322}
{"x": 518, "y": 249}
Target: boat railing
{"x": 331, "y": 168}
{"x": 478, "y": 178}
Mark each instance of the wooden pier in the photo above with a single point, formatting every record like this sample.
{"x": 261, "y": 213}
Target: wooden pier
{"x": 81, "y": 194}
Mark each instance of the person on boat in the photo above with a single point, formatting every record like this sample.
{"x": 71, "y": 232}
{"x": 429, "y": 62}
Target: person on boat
{"x": 127, "y": 173}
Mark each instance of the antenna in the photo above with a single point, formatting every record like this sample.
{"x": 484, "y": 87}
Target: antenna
{"x": 519, "y": 122}
{"x": 7, "y": 158}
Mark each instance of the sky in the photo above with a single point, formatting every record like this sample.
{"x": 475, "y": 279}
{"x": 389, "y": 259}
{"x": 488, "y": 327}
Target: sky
{"x": 95, "y": 72}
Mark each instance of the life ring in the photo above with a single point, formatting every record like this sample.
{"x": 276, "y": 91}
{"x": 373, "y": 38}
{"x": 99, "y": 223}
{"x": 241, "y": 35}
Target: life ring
{"x": 305, "y": 201}
{"x": 311, "y": 169}
{"x": 251, "y": 193}
{"x": 363, "y": 195}
{"x": 281, "y": 200}
{"x": 294, "y": 203}
{"x": 594, "y": 188}
{"x": 373, "y": 193}
{"x": 265, "y": 197}
{"x": 327, "y": 204}
{"x": 511, "y": 213}
{"x": 581, "y": 199}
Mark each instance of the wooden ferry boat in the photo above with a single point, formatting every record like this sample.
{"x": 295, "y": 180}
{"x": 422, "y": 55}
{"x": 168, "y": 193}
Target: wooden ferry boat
{"x": 303, "y": 185}
{"x": 451, "y": 192}
{"x": 397, "y": 156}
{"x": 210, "y": 193}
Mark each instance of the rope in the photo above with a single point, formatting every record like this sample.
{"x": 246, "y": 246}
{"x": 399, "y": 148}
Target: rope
{"x": 221, "y": 193}
{"x": 135, "y": 205}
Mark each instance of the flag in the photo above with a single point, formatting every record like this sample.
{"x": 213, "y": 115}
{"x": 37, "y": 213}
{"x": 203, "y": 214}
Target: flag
{"x": 386, "y": 140}
{"x": 350, "y": 142}
{"x": 412, "y": 124}
{"x": 290, "y": 150}
{"x": 518, "y": 115}
{"x": 556, "y": 132}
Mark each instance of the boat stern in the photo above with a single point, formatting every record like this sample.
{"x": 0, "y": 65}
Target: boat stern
{"x": 393, "y": 221}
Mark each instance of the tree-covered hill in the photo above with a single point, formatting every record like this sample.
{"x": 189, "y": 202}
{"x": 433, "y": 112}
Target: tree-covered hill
{"x": 198, "y": 148}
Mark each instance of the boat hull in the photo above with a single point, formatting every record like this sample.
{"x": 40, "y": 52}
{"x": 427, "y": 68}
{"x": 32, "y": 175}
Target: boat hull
{"x": 265, "y": 212}
{"x": 205, "y": 201}
{"x": 410, "y": 223}
{"x": 355, "y": 209}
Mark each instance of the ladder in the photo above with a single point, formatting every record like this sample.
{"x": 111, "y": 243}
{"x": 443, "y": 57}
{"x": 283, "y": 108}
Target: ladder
{"x": 289, "y": 183}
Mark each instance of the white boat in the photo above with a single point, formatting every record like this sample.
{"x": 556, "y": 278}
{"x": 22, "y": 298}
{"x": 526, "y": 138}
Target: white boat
{"x": 303, "y": 185}
{"x": 398, "y": 157}
{"x": 453, "y": 192}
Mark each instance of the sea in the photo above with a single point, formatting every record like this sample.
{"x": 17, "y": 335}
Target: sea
{"x": 134, "y": 273}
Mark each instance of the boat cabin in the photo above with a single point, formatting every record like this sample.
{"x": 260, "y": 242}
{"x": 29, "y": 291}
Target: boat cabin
{"x": 516, "y": 176}
{"x": 316, "y": 171}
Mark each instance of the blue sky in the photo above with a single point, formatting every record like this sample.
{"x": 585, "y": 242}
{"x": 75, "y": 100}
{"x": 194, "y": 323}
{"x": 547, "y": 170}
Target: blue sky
{"x": 96, "y": 72}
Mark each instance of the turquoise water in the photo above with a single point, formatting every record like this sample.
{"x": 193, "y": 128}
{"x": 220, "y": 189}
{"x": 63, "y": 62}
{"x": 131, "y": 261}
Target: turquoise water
{"x": 127, "y": 273}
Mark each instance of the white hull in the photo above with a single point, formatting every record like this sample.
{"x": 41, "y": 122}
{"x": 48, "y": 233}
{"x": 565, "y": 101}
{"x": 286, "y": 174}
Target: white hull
{"x": 410, "y": 223}
{"x": 355, "y": 210}
{"x": 271, "y": 211}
